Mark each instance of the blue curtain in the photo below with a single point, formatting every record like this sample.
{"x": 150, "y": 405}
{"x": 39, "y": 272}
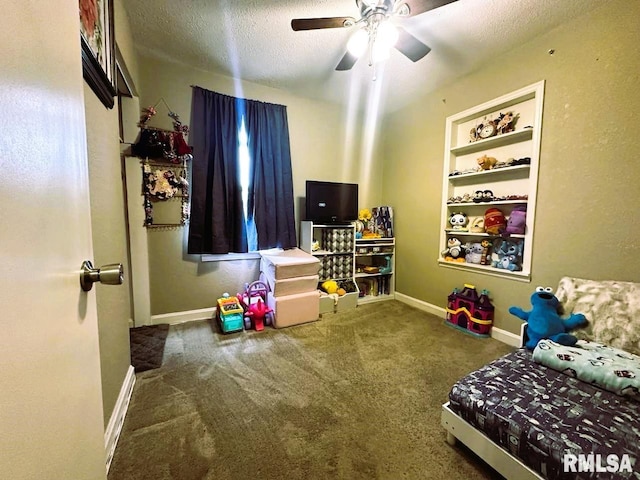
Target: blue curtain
{"x": 271, "y": 188}
{"x": 217, "y": 217}
{"x": 217, "y": 223}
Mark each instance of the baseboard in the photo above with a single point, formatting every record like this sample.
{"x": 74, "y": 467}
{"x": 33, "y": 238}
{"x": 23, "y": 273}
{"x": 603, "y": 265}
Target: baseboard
{"x": 505, "y": 336}
{"x": 421, "y": 305}
{"x": 499, "y": 334}
{"x": 182, "y": 317}
{"x": 112, "y": 433}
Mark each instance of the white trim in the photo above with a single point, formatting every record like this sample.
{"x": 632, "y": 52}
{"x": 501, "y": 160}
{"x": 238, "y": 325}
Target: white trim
{"x": 499, "y": 334}
{"x": 502, "y": 461}
{"x": 210, "y": 257}
{"x": 421, "y": 305}
{"x": 505, "y": 336}
{"x": 112, "y": 433}
{"x": 183, "y": 317}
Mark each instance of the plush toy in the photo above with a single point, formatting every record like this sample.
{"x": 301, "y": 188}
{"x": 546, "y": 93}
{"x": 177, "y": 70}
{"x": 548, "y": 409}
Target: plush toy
{"x": 474, "y": 252}
{"x": 486, "y": 163}
{"x": 330, "y": 286}
{"x": 458, "y": 221}
{"x": 507, "y": 254}
{"x": 476, "y": 224}
{"x": 454, "y": 252}
{"x": 494, "y": 221}
{"x": 517, "y": 220}
{"x": 485, "y": 258}
{"x": 506, "y": 122}
{"x": 543, "y": 321}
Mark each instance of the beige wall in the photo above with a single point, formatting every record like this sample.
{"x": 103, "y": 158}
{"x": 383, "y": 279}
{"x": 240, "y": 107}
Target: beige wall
{"x": 109, "y": 228}
{"x": 588, "y": 187}
{"x": 320, "y": 150}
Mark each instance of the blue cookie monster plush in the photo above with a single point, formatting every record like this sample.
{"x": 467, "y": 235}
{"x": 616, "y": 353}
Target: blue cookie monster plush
{"x": 544, "y": 322}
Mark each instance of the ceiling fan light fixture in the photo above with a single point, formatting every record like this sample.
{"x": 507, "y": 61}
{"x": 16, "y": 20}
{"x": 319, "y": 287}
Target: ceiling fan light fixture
{"x": 387, "y": 35}
{"x": 403, "y": 10}
{"x": 358, "y": 43}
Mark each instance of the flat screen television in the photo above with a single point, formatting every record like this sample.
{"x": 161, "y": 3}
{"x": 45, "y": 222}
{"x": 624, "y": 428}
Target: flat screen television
{"x": 331, "y": 202}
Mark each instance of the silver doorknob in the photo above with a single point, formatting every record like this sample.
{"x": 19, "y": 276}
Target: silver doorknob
{"x": 111, "y": 274}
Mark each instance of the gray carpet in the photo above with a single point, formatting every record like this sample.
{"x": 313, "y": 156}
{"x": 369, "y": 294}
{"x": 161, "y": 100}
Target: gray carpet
{"x": 356, "y": 395}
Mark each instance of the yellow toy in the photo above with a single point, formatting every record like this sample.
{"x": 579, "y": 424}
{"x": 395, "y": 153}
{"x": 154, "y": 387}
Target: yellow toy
{"x": 330, "y": 286}
{"x": 486, "y": 163}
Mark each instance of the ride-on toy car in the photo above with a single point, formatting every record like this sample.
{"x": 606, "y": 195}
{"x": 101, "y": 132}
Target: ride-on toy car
{"x": 257, "y": 313}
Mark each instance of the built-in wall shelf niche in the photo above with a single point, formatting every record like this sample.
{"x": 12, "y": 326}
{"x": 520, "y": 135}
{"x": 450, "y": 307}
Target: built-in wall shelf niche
{"x": 507, "y": 181}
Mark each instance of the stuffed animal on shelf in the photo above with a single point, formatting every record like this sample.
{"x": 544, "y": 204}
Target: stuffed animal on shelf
{"x": 476, "y": 224}
{"x": 494, "y": 221}
{"x": 474, "y": 253}
{"x": 517, "y": 221}
{"x": 458, "y": 221}
{"x": 486, "y": 163}
{"x": 506, "y": 122}
{"x": 455, "y": 251}
{"x": 543, "y": 321}
{"x": 485, "y": 258}
{"x": 507, "y": 254}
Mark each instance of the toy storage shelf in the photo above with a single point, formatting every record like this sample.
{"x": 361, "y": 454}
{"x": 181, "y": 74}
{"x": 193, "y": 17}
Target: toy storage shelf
{"x": 485, "y": 174}
{"x": 378, "y": 253}
{"x": 334, "y": 246}
{"x": 462, "y": 176}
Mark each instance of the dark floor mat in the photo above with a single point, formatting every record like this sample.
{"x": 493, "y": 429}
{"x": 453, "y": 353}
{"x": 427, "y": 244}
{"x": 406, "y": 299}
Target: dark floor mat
{"x": 147, "y": 346}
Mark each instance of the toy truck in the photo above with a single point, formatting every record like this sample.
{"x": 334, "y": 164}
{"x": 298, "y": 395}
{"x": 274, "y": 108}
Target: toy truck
{"x": 230, "y": 314}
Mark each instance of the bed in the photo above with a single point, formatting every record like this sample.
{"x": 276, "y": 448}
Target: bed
{"x": 529, "y": 421}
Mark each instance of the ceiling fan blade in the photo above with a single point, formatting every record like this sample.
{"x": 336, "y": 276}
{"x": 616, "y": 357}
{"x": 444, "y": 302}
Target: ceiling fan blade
{"x": 347, "y": 62}
{"x": 410, "y": 46}
{"x": 416, "y": 7}
{"x": 316, "y": 23}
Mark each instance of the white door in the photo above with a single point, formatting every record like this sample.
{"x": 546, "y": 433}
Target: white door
{"x": 51, "y": 423}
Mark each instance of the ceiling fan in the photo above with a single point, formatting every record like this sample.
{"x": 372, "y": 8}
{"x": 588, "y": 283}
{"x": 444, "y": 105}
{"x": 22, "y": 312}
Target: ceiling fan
{"x": 376, "y": 32}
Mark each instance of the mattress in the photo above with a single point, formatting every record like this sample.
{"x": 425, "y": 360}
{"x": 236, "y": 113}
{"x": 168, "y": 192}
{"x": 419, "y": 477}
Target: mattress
{"x": 283, "y": 264}
{"x": 295, "y": 309}
{"x": 538, "y": 414}
{"x": 290, "y": 286}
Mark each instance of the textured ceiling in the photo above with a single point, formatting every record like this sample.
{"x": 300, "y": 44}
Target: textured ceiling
{"x": 253, "y": 40}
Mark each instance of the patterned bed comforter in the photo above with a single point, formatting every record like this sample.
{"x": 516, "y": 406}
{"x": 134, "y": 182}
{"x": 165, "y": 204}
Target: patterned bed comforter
{"x": 539, "y": 414}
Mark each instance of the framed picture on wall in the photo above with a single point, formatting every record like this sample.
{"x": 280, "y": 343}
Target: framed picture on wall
{"x": 98, "y": 46}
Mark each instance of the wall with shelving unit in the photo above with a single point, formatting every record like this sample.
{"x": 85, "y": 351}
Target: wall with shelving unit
{"x": 333, "y": 245}
{"x": 512, "y": 182}
{"x": 374, "y": 271}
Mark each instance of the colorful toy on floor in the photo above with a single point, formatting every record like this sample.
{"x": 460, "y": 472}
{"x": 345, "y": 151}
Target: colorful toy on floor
{"x": 470, "y": 312}
{"x": 257, "y": 313}
{"x": 543, "y": 320}
{"x": 229, "y": 314}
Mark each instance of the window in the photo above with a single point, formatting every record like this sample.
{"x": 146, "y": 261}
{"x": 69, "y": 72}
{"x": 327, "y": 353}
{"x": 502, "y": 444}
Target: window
{"x": 244, "y": 160}
{"x": 241, "y": 185}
